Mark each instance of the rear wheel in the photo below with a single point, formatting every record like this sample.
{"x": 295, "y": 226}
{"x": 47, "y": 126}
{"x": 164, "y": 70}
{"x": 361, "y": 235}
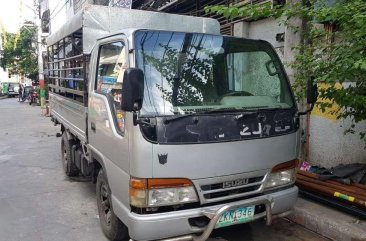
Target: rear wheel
{"x": 112, "y": 227}
{"x": 66, "y": 157}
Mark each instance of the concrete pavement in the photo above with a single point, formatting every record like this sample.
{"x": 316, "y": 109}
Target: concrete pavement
{"x": 329, "y": 222}
{"x": 38, "y": 203}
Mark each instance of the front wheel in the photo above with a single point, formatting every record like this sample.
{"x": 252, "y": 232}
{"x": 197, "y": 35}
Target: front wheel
{"x": 112, "y": 227}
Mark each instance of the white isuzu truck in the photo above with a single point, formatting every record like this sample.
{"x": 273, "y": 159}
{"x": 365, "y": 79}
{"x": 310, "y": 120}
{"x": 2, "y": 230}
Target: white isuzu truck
{"x": 182, "y": 129}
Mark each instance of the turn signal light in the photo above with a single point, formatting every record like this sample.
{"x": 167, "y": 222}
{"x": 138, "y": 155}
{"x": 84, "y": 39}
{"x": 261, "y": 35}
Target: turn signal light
{"x": 168, "y": 183}
{"x": 281, "y": 175}
{"x": 136, "y": 183}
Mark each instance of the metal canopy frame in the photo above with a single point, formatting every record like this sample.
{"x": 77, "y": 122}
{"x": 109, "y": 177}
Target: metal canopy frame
{"x": 68, "y": 68}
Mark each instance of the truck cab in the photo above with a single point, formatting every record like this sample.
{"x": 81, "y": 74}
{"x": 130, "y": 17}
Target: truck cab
{"x": 182, "y": 131}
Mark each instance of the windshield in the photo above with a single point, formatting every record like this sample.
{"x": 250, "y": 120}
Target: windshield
{"x": 192, "y": 73}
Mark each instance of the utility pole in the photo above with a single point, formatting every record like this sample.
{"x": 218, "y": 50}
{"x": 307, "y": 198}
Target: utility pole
{"x": 40, "y": 59}
{"x": 40, "y": 64}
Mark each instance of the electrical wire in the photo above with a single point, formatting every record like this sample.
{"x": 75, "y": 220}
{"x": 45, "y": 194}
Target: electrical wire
{"x": 52, "y": 17}
{"x": 56, "y": 7}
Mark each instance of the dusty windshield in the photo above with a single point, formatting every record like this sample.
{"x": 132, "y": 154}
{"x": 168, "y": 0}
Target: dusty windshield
{"x": 192, "y": 73}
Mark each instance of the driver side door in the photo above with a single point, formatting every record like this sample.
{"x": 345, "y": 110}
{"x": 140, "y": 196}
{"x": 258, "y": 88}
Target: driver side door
{"x": 106, "y": 130}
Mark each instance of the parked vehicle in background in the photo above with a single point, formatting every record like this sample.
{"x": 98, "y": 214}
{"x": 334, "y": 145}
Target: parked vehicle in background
{"x": 182, "y": 129}
{"x": 13, "y": 89}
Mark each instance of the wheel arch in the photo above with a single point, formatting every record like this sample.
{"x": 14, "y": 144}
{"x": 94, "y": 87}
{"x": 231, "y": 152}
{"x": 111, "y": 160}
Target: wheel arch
{"x": 69, "y": 135}
{"x": 98, "y": 163}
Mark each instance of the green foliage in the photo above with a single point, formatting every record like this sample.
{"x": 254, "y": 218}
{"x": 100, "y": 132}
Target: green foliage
{"x": 336, "y": 58}
{"x": 19, "y": 54}
{"x": 253, "y": 12}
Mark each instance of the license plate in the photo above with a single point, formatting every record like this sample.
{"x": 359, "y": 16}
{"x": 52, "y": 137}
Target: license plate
{"x": 235, "y": 216}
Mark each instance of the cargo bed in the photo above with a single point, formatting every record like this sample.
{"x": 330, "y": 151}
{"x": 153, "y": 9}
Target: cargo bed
{"x": 70, "y": 113}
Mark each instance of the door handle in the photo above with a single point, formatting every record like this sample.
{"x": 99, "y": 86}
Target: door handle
{"x": 92, "y": 126}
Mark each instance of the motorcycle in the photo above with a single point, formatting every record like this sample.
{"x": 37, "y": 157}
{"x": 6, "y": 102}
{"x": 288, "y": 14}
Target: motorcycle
{"x": 33, "y": 97}
{"x": 29, "y": 94}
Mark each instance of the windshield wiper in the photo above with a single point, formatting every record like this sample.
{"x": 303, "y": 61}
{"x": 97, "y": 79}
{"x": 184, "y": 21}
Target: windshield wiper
{"x": 269, "y": 108}
{"x": 219, "y": 110}
{"x": 245, "y": 112}
{"x": 178, "y": 117}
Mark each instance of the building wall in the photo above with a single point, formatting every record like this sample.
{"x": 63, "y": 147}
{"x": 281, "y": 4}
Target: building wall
{"x": 4, "y": 77}
{"x": 328, "y": 143}
{"x": 263, "y": 29}
{"x": 330, "y": 147}
{"x": 3, "y": 74}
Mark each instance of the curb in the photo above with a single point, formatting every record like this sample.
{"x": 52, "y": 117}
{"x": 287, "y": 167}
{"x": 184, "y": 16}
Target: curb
{"x": 328, "y": 222}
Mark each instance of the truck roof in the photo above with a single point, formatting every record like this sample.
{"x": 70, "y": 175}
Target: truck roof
{"x": 95, "y": 21}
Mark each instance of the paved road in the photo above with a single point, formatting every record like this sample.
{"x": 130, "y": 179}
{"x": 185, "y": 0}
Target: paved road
{"x": 38, "y": 203}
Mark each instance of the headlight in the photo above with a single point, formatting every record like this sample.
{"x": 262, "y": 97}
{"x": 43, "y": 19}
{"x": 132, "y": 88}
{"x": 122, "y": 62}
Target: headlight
{"x": 280, "y": 178}
{"x": 281, "y": 175}
{"x": 161, "y": 192}
{"x": 170, "y": 196}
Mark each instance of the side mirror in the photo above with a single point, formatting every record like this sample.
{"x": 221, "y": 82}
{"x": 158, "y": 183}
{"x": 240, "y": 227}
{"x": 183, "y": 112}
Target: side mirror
{"x": 312, "y": 92}
{"x": 132, "y": 89}
{"x": 271, "y": 68}
{"x": 311, "y": 95}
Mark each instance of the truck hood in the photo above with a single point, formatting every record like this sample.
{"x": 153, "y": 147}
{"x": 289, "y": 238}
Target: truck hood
{"x": 197, "y": 161}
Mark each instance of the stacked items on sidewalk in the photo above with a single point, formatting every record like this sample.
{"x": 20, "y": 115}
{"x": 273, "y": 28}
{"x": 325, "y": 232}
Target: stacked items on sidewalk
{"x": 344, "y": 186}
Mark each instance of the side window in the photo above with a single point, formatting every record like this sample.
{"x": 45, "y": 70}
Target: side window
{"x": 112, "y": 62}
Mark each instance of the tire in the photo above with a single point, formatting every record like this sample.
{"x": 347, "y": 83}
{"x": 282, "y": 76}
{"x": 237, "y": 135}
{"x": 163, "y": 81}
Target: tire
{"x": 69, "y": 167}
{"x": 112, "y": 227}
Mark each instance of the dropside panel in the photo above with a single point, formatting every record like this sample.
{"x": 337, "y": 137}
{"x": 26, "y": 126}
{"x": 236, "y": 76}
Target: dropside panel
{"x": 70, "y": 113}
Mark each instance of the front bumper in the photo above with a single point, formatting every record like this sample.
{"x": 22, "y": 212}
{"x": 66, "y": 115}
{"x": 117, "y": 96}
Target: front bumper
{"x": 174, "y": 226}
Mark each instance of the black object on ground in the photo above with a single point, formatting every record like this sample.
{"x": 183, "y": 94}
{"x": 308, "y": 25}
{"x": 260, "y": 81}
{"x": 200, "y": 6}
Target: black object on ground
{"x": 343, "y": 173}
{"x": 353, "y": 210}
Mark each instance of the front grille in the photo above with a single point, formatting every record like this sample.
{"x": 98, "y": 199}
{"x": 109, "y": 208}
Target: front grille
{"x": 231, "y": 192}
{"x": 221, "y": 185}
{"x": 230, "y": 187}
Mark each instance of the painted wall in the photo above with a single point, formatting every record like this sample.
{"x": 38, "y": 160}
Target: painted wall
{"x": 263, "y": 29}
{"x": 3, "y": 74}
{"x": 330, "y": 147}
{"x": 4, "y": 77}
{"x": 328, "y": 144}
